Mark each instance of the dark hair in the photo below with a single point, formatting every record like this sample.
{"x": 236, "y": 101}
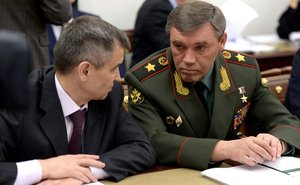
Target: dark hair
{"x": 87, "y": 38}
{"x": 189, "y": 16}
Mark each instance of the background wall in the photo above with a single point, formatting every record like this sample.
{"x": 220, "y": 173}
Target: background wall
{"x": 122, "y": 13}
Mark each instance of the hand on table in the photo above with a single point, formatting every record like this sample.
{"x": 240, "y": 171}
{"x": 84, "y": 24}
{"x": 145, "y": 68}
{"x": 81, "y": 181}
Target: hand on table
{"x": 71, "y": 166}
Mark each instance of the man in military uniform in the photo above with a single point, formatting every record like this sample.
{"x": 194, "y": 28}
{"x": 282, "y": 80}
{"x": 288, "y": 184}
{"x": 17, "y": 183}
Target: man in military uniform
{"x": 192, "y": 98}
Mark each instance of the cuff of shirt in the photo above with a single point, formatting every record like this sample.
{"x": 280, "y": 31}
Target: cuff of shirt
{"x": 291, "y": 151}
{"x": 98, "y": 172}
{"x": 29, "y": 172}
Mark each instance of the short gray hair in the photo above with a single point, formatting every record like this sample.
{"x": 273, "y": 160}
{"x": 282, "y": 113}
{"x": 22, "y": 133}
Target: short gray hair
{"x": 87, "y": 38}
{"x": 189, "y": 16}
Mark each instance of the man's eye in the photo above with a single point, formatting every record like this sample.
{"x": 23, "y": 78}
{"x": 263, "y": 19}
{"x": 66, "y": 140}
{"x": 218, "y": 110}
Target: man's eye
{"x": 179, "y": 47}
{"x": 201, "y": 48}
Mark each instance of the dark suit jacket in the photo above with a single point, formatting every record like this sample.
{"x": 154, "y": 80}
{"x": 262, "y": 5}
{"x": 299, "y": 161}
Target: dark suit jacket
{"x": 40, "y": 132}
{"x": 176, "y": 121}
{"x": 289, "y": 21}
{"x": 51, "y": 36}
{"x": 293, "y": 92}
{"x": 30, "y": 17}
{"x": 149, "y": 31}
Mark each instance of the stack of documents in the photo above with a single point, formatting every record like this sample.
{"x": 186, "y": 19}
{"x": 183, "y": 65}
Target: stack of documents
{"x": 286, "y": 170}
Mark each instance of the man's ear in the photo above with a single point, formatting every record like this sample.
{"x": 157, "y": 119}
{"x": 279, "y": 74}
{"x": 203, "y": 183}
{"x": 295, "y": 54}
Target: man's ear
{"x": 223, "y": 41}
{"x": 84, "y": 69}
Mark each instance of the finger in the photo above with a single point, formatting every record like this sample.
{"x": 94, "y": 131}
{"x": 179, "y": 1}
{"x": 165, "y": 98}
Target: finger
{"x": 90, "y": 156}
{"x": 79, "y": 173}
{"x": 262, "y": 149}
{"x": 256, "y": 157}
{"x": 87, "y": 173}
{"x": 91, "y": 162}
{"x": 276, "y": 147}
{"x": 249, "y": 161}
{"x": 279, "y": 147}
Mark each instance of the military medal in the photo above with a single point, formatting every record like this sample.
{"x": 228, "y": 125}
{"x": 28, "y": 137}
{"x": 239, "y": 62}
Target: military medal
{"x": 240, "y": 116}
{"x": 242, "y": 91}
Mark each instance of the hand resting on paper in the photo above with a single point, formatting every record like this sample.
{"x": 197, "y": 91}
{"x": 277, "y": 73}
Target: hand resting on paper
{"x": 250, "y": 150}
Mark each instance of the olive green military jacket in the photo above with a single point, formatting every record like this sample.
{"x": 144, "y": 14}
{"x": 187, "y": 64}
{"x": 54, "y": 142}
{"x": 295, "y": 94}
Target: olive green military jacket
{"x": 176, "y": 122}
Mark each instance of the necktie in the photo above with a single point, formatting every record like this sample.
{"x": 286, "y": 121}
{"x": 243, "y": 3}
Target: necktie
{"x": 200, "y": 87}
{"x": 78, "y": 119}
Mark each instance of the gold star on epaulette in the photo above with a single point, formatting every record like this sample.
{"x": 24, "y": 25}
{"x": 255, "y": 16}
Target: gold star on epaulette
{"x": 150, "y": 67}
{"x": 241, "y": 58}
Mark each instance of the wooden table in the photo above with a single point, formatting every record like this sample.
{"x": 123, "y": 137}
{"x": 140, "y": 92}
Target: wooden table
{"x": 176, "y": 176}
{"x": 274, "y": 59}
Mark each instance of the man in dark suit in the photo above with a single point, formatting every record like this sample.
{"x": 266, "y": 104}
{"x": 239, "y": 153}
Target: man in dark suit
{"x": 34, "y": 144}
{"x": 149, "y": 30}
{"x": 289, "y": 21}
{"x": 293, "y": 93}
{"x": 30, "y": 17}
{"x": 191, "y": 99}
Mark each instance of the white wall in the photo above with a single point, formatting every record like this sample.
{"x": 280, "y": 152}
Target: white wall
{"x": 122, "y": 13}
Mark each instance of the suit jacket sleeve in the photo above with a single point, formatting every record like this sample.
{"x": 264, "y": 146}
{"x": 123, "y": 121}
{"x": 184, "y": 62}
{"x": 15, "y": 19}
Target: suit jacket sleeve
{"x": 57, "y": 11}
{"x": 131, "y": 151}
{"x": 8, "y": 136}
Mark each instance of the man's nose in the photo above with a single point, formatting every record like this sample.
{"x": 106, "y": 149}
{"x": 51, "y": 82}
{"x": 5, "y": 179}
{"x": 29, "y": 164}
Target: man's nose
{"x": 189, "y": 57}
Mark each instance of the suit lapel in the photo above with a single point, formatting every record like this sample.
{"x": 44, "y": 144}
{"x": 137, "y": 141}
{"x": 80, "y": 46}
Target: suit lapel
{"x": 53, "y": 123}
{"x": 224, "y": 100}
{"x": 93, "y": 132}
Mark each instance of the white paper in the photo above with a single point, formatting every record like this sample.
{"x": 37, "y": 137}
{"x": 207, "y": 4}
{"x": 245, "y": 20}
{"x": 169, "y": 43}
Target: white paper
{"x": 258, "y": 174}
{"x": 95, "y": 183}
{"x": 238, "y": 15}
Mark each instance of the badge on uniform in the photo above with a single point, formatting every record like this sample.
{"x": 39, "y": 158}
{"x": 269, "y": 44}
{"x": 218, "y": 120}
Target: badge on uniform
{"x": 225, "y": 84}
{"x": 136, "y": 97}
{"x": 242, "y": 91}
{"x": 178, "y": 121}
{"x": 170, "y": 120}
{"x": 179, "y": 85}
{"x": 163, "y": 61}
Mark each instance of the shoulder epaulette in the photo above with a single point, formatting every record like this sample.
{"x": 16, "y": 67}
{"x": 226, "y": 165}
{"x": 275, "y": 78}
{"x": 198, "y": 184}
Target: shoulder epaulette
{"x": 239, "y": 58}
{"x": 151, "y": 66}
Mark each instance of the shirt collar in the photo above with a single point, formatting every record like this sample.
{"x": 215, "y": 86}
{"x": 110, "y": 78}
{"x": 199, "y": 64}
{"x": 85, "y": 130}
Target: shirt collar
{"x": 67, "y": 103}
{"x": 208, "y": 79}
{"x": 173, "y": 3}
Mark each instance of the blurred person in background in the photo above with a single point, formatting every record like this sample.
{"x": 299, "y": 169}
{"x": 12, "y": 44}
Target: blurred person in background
{"x": 30, "y": 17}
{"x": 149, "y": 30}
{"x": 289, "y": 21}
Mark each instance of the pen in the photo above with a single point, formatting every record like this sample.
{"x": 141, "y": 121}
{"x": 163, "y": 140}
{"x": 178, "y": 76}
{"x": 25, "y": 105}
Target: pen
{"x": 273, "y": 168}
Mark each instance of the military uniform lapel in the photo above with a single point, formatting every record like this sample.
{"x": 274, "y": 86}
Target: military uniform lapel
{"x": 189, "y": 103}
{"x": 224, "y": 100}
{"x": 53, "y": 122}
